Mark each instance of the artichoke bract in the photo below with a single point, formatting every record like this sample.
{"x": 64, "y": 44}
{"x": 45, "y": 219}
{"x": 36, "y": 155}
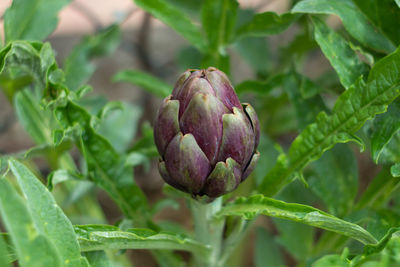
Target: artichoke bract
{"x": 206, "y": 138}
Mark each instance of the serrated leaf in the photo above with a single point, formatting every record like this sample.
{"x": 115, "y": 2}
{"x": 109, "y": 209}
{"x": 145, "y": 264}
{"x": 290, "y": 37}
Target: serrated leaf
{"x": 342, "y": 58}
{"x": 384, "y": 127}
{"x": 353, "y": 20}
{"x": 48, "y": 218}
{"x": 78, "y": 66}
{"x": 384, "y": 14}
{"x": 145, "y": 81}
{"x": 218, "y": 20}
{"x": 32, "y": 247}
{"x": 258, "y": 204}
{"x": 100, "y": 237}
{"x": 266, "y": 23}
{"x": 174, "y": 18}
{"x": 105, "y": 166}
{"x": 354, "y": 107}
{"x": 31, "y": 20}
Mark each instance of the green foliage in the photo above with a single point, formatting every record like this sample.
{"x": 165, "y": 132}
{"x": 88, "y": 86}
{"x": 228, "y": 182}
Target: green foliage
{"x": 98, "y": 237}
{"x": 77, "y": 66}
{"x": 258, "y": 204}
{"x": 88, "y": 142}
{"x": 31, "y": 20}
{"x": 353, "y": 20}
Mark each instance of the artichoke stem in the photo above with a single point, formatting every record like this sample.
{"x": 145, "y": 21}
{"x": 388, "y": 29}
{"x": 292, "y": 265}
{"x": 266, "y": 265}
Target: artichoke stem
{"x": 207, "y": 230}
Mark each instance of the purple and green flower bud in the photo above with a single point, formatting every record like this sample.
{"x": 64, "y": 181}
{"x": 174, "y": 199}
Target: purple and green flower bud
{"x": 206, "y": 138}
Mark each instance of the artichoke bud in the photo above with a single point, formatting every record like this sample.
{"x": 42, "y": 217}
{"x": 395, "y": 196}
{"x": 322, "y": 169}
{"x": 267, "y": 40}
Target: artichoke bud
{"x": 206, "y": 138}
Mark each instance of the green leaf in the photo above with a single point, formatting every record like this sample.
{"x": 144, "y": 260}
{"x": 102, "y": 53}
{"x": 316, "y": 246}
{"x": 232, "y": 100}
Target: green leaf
{"x": 105, "y": 166}
{"x": 48, "y": 218}
{"x": 174, "y": 18}
{"x": 78, "y": 67}
{"x": 32, "y": 62}
{"x": 100, "y": 237}
{"x": 384, "y": 14}
{"x": 60, "y": 176}
{"x": 266, "y": 253}
{"x": 353, "y": 20}
{"x": 33, "y": 117}
{"x": 395, "y": 170}
{"x": 255, "y": 52}
{"x": 260, "y": 87}
{"x": 258, "y": 204}
{"x": 335, "y": 48}
{"x": 31, "y": 19}
{"x": 145, "y": 81}
{"x": 360, "y": 102}
{"x": 379, "y": 190}
{"x": 4, "y": 254}
{"x": 119, "y": 126}
{"x": 266, "y": 23}
{"x": 98, "y": 259}
{"x": 218, "y": 20}
{"x": 383, "y": 129}
{"x": 336, "y": 174}
{"x": 397, "y": 2}
{"x": 33, "y": 248}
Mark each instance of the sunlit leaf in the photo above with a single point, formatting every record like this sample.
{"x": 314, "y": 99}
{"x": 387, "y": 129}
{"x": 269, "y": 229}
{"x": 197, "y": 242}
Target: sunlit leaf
{"x": 353, "y": 20}
{"x": 258, "y": 204}
{"x": 342, "y": 58}
{"x": 31, "y": 20}
{"x": 100, "y": 237}
{"x": 32, "y": 247}
{"x": 48, "y": 218}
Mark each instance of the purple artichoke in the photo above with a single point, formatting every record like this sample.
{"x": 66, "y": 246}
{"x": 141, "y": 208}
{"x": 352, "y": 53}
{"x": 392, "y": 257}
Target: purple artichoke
{"x": 207, "y": 139}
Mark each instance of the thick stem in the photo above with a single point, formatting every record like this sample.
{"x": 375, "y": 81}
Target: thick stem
{"x": 208, "y": 231}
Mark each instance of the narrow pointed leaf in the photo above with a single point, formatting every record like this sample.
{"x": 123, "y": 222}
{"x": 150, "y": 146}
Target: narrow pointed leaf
{"x": 353, "y": 20}
{"x": 32, "y": 247}
{"x": 47, "y": 216}
{"x": 258, "y": 204}
{"x": 100, "y": 237}
{"x": 342, "y": 58}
